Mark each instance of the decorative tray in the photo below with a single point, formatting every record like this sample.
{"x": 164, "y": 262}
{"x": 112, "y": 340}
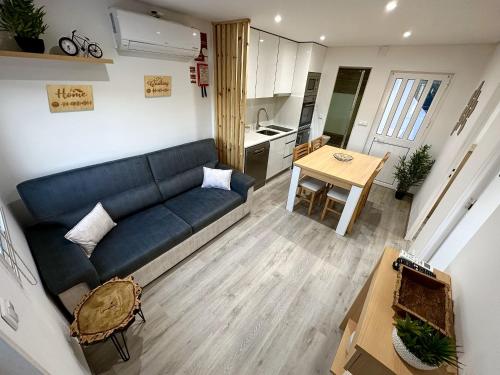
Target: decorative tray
{"x": 342, "y": 157}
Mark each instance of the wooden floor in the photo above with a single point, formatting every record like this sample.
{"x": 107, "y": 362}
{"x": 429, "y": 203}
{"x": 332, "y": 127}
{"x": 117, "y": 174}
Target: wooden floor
{"x": 265, "y": 297}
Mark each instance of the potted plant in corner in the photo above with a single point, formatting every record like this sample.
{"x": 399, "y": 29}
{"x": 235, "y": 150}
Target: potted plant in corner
{"x": 25, "y": 21}
{"x": 412, "y": 172}
{"x": 422, "y": 346}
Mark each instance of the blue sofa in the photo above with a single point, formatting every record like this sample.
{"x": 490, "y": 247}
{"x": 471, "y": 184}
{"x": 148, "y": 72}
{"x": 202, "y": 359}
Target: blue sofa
{"x": 163, "y": 215}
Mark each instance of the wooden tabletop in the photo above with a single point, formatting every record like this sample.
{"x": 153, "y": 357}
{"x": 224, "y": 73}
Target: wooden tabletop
{"x": 108, "y": 308}
{"x": 376, "y": 321}
{"x": 356, "y": 172}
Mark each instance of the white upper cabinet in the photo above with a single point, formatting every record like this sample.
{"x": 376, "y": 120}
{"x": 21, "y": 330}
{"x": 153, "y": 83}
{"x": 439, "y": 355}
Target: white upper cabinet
{"x": 318, "y": 54}
{"x": 253, "y": 54}
{"x": 266, "y": 65}
{"x": 287, "y": 53}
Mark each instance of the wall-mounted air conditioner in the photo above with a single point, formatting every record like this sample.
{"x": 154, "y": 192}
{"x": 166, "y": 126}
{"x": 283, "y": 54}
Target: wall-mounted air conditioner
{"x": 143, "y": 33}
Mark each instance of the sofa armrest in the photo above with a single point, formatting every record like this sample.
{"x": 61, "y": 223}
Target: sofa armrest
{"x": 61, "y": 263}
{"x": 240, "y": 182}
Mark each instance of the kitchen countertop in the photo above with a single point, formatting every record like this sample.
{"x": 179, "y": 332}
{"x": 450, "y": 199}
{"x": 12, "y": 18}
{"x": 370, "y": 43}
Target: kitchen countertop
{"x": 253, "y": 138}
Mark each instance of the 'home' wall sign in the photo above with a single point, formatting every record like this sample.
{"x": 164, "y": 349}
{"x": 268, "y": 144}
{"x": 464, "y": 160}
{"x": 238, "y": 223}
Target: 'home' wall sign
{"x": 70, "y": 98}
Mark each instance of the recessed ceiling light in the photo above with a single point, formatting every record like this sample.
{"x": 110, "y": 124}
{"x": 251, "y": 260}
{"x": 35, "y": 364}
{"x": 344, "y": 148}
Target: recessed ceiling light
{"x": 391, "y": 5}
{"x": 277, "y": 18}
{"x": 261, "y": 40}
{"x": 158, "y": 32}
{"x": 407, "y": 34}
{"x": 322, "y": 37}
{"x": 194, "y": 34}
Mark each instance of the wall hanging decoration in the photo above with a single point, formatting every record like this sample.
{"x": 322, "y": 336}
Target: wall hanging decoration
{"x": 79, "y": 43}
{"x": 156, "y": 86}
{"x": 25, "y": 21}
{"x": 70, "y": 98}
{"x": 203, "y": 78}
{"x": 192, "y": 74}
{"x": 469, "y": 108}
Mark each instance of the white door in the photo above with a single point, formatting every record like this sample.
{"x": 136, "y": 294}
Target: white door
{"x": 404, "y": 117}
{"x": 266, "y": 65}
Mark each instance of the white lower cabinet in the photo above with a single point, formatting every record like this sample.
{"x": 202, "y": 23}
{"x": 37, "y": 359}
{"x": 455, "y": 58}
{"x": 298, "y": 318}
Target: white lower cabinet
{"x": 280, "y": 154}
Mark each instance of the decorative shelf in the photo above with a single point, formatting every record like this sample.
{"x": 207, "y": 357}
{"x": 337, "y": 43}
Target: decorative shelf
{"x": 47, "y": 56}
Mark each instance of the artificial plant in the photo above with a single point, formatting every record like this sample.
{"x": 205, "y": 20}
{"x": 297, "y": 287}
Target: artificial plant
{"x": 413, "y": 171}
{"x": 22, "y": 18}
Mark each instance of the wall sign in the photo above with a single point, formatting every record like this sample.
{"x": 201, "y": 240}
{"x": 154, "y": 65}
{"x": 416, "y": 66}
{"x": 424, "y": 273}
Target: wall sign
{"x": 469, "y": 108}
{"x": 156, "y": 86}
{"x": 70, "y": 98}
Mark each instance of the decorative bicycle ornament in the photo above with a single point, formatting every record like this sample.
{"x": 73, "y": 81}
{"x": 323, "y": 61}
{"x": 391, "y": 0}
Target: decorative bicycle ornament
{"x": 79, "y": 43}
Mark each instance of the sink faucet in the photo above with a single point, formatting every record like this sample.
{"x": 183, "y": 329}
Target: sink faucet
{"x": 258, "y": 116}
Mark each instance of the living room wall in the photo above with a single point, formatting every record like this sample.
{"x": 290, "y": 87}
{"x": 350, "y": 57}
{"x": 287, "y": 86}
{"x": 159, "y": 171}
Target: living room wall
{"x": 35, "y": 142}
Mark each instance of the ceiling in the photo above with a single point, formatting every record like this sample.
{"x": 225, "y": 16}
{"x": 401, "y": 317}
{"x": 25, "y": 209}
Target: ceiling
{"x": 358, "y": 22}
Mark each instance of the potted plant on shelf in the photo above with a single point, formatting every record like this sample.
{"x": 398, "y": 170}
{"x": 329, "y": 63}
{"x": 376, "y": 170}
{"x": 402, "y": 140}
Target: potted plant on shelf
{"x": 25, "y": 21}
{"x": 412, "y": 172}
{"x": 422, "y": 346}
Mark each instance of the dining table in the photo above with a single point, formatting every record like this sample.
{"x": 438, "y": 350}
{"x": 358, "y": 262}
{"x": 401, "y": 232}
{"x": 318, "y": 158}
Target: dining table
{"x": 353, "y": 175}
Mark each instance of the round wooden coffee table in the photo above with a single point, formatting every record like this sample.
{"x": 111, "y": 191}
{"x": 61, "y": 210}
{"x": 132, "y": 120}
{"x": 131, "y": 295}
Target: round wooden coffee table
{"x": 106, "y": 311}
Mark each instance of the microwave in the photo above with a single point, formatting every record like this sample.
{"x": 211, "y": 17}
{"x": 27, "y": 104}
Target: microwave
{"x": 312, "y": 84}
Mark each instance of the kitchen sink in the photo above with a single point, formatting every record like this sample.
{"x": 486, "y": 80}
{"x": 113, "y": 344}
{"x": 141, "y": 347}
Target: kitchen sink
{"x": 280, "y": 128}
{"x": 267, "y": 132}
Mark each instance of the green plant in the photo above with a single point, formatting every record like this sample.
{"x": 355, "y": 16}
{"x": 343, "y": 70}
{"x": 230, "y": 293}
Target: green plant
{"x": 414, "y": 170}
{"x": 22, "y": 18}
{"x": 426, "y": 342}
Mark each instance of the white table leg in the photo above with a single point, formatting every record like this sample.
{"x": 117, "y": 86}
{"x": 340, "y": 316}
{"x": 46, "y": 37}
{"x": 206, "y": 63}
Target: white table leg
{"x": 349, "y": 208}
{"x": 292, "y": 191}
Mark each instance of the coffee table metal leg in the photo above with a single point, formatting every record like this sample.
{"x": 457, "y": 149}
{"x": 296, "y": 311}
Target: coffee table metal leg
{"x": 141, "y": 314}
{"x": 122, "y": 350}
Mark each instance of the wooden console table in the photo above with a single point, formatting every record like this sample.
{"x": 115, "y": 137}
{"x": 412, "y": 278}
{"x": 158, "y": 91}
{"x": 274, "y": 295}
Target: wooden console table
{"x": 371, "y": 319}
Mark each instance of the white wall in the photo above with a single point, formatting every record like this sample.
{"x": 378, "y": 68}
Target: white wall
{"x": 35, "y": 142}
{"x": 476, "y": 300}
{"x": 456, "y": 146}
{"x": 43, "y": 334}
{"x": 465, "y": 62}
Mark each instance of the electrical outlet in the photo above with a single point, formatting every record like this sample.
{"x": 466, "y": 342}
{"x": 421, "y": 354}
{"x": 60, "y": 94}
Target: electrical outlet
{"x": 9, "y": 314}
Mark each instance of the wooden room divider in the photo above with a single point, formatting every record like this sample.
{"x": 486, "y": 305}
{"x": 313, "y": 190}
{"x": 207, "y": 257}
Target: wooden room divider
{"x": 231, "y": 50}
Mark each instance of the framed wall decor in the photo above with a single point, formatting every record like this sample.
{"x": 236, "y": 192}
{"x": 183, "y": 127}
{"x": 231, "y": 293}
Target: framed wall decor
{"x": 70, "y": 98}
{"x": 157, "y": 86}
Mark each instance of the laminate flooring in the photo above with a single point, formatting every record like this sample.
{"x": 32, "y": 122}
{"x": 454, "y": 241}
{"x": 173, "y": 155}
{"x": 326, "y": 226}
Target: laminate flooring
{"x": 264, "y": 297}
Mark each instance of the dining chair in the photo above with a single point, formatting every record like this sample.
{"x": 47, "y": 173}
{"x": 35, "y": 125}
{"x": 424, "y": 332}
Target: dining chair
{"x": 339, "y": 195}
{"x": 315, "y": 144}
{"x": 309, "y": 188}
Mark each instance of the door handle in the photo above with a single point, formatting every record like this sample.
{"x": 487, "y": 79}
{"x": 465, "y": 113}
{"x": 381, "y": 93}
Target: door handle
{"x": 257, "y": 152}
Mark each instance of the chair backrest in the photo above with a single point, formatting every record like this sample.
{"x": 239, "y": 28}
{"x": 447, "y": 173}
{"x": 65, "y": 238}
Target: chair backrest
{"x": 381, "y": 165}
{"x": 300, "y": 151}
{"x": 315, "y": 144}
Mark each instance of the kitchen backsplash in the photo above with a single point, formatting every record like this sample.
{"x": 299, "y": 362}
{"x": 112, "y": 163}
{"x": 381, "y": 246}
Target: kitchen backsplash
{"x": 272, "y": 106}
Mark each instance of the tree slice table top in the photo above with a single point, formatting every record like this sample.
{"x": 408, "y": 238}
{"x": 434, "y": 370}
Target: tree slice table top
{"x": 109, "y": 308}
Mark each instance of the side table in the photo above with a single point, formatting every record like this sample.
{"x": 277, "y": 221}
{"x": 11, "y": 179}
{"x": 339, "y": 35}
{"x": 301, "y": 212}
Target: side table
{"x": 107, "y": 311}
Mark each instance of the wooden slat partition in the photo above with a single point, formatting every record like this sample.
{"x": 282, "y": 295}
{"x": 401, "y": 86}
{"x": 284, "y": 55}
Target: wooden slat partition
{"x": 231, "y": 50}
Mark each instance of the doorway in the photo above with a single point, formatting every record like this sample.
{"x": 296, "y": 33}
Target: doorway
{"x": 346, "y": 98}
{"x": 404, "y": 117}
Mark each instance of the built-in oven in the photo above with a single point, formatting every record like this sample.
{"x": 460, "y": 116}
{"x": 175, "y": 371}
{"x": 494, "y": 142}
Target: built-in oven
{"x": 303, "y": 133}
{"x": 312, "y": 84}
{"x": 306, "y": 115}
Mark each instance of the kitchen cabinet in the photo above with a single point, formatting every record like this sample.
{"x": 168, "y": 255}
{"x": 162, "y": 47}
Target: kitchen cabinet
{"x": 280, "y": 154}
{"x": 266, "y": 65}
{"x": 253, "y": 54}
{"x": 285, "y": 67}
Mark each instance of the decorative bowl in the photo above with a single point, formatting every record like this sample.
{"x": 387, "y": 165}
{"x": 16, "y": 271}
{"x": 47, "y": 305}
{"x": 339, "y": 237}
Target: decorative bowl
{"x": 342, "y": 157}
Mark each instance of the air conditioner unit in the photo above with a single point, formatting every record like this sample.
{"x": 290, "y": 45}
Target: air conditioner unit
{"x": 142, "y": 33}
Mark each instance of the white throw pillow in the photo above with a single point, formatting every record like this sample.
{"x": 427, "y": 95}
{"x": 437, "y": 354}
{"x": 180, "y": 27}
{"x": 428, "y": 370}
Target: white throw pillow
{"x": 91, "y": 229}
{"x": 217, "y": 178}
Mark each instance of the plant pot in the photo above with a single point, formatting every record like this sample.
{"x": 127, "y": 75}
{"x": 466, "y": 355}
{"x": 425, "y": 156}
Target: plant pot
{"x": 30, "y": 44}
{"x": 408, "y": 356}
{"x": 400, "y": 194}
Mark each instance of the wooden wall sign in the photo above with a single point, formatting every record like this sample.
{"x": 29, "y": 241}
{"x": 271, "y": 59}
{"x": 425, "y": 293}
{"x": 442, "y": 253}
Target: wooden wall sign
{"x": 70, "y": 98}
{"x": 469, "y": 108}
{"x": 155, "y": 86}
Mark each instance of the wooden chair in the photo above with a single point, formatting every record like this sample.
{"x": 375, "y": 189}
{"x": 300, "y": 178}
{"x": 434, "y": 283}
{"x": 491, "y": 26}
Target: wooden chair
{"x": 315, "y": 144}
{"x": 339, "y": 195}
{"x": 309, "y": 188}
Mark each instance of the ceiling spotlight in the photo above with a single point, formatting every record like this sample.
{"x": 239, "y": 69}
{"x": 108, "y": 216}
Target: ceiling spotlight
{"x": 322, "y": 37}
{"x": 194, "y": 34}
{"x": 391, "y": 5}
{"x": 277, "y": 18}
{"x": 261, "y": 40}
{"x": 407, "y": 34}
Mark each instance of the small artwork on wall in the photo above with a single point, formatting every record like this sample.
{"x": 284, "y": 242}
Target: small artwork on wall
{"x": 157, "y": 86}
{"x": 70, "y": 98}
{"x": 469, "y": 108}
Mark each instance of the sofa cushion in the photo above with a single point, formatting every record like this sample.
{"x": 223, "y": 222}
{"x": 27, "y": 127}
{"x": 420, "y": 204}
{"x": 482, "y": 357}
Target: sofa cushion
{"x": 137, "y": 240}
{"x": 122, "y": 186}
{"x": 199, "y": 207}
{"x": 180, "y": 168}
